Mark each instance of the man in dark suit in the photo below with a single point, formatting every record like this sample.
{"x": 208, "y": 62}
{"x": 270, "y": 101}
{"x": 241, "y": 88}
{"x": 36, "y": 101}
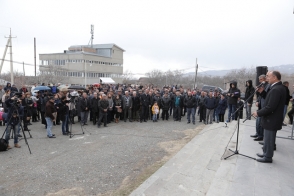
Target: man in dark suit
{"x": 271, "y": 114}
{"x": 127, "y": 104}
{"x": 145, "y": 101}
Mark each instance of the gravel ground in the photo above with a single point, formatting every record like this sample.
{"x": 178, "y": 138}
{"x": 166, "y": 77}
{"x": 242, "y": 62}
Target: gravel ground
{"x": 101, "y": 161}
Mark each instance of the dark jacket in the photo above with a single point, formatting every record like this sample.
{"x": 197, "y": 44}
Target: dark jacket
{"x": 234, "y": 94}
{"x": 222, "y": 106}
{"x": 63, "y": 110}
{"x": 84, "y": 103}
{"x": 190, "y": 101}
{"x": 201, "y": 100}
{"x": 288, "y": 96}
{"x": 272, "y": 113}
{"x": 94, "y": 104}
{"x": 249, "y": 91}
{"x": 49, "y": 110}
{"x": 145, "y": 100}
{"x": 7, "y": 87}
{"x": 165, "y": 102}
{"x": 210, "y": 103}
{"x": 103, "y": 104}
{"x": 136, "y": 103}
{"x": 11, "y": 109}
{"x": 156, "y": 99}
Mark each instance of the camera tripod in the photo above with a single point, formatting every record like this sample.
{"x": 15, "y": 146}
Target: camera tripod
{"x": 15, "y": 109}
{"x": 71, "y": 116}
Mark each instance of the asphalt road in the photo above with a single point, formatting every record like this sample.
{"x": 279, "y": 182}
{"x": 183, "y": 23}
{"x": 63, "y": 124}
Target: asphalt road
{"x": 99, "y": 162}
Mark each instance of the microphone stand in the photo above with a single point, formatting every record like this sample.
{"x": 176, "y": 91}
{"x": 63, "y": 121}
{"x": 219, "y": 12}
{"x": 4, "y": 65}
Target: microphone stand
{"x": 236, "y": 152}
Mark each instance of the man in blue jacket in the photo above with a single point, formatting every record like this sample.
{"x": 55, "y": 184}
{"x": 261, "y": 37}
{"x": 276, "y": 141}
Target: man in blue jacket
{"x": 210, "y": 103}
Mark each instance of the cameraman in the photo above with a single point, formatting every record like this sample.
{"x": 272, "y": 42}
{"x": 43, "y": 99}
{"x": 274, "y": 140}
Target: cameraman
{"x": 15, "y": 112}
{"x": 63, "y": 112}
{"x": 27, "y": 102}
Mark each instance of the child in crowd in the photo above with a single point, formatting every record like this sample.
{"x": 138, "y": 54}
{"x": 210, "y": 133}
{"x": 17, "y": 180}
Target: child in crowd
{"x": 155, "y": 111}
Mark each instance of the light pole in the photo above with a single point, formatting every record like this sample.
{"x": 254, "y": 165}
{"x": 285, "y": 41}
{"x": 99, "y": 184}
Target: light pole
{"x": 86, "y": 73}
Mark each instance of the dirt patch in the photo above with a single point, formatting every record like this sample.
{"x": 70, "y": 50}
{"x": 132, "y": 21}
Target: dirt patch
{"x": 171, "y": 147}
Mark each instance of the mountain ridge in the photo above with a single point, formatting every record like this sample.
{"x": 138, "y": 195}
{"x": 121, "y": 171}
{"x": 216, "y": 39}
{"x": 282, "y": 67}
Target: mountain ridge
{"x": 286, "y": 69}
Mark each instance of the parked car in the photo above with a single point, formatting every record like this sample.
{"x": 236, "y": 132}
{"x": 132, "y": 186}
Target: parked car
{"x": 208, "y": 88}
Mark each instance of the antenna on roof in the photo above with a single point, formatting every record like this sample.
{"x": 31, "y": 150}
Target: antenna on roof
{"x": 92, "y": 36}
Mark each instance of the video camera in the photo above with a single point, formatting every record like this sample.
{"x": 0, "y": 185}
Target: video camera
{"x": 16, "y": 98}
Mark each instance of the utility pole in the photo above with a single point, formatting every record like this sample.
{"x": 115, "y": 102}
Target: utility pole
{"x": 9, "y": 44}
{"x": 5, "y": 51}
{"x": 195, "y": 84}
{"x": 35, "y": 56}
{"x": 24, "y": 72}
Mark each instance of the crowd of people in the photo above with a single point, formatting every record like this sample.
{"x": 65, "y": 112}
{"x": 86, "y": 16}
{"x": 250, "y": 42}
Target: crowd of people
{"x": 104, "y": 104}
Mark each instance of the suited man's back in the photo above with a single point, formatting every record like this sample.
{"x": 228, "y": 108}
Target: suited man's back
{"x": 272, "y": 113}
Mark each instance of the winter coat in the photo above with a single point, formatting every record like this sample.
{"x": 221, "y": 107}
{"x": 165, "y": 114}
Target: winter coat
{"x": 10, "y": 109}
{"x": 103, "y": 104}
{"x": 154, "y": 108}
{"x": 124, "y": 102}
{"x": 235, "y": 92}
{"x": 181, "y": 101}
{"x": 272, "y": 113}
{"x": 156, "y": 99}
{"x": 7, "y": 87}
{"x": 50, "y": 109}
{"x": 249, "y": 91}
{"x": 201, "y": 100}
{"x": 165, "y": 103}
{"x": 84, "y": 103}
{"x": 288, "y": 96}
{"x": 94, "y": 104}
{"x": 136, "y": 103}
{"x": 210, "y": 103}
{"x": 190, "y": 102}
{"x": 145, "y": 100}
{"x": 63, "y": 110}
{"x": 222, "y": 106}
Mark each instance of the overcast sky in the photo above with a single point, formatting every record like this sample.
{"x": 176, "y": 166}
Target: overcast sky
{"x": 222, "y": 34}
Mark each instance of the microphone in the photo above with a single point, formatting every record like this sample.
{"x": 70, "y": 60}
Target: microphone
{"x": 261, "y": 84}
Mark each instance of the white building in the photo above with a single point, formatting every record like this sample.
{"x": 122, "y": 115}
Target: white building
{"x": 84, "y": 64}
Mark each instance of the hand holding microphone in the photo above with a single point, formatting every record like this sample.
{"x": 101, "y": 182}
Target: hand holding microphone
{"x": 260, "y": 87}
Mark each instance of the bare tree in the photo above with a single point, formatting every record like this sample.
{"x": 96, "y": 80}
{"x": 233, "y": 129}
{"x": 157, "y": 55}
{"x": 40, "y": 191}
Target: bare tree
{"x": 128, "y": 76}
{"x": 53, "y": 74}
{"x": 19, "y": 78}
{"x": 241, "y": 76}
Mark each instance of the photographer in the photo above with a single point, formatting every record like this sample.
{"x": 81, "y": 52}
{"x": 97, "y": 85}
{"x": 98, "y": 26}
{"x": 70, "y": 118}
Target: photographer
{"x": 27, "y": 102}
{"x": 15, "y": 112}
{"x": 64, "y": 114}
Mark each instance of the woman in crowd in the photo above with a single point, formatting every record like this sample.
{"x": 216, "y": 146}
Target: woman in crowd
{"x": 4, "y": 98}
{"x": 118, "y": 108}
{"x": 110, "y": 108}
{"x": 221, "y": 109}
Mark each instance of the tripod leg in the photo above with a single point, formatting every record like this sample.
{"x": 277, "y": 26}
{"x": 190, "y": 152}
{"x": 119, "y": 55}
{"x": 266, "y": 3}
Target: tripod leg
{"x": 229, "y": 156}
{"x": 25, "y": 138}
{"x": 247, "y": 156}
